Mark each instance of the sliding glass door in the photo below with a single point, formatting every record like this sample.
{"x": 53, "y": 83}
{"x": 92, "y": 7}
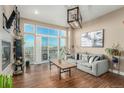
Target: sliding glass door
{"x": 29, "y": 47}
{"x": 53, "y": 47}
{"x": 44, "y": 48}
{"x": 42, "y": 43}
{"x": 62, "y": 48}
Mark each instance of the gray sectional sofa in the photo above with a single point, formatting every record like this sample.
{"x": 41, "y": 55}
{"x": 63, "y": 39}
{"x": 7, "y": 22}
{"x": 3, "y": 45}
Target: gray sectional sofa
{"x": 95, "y": 64}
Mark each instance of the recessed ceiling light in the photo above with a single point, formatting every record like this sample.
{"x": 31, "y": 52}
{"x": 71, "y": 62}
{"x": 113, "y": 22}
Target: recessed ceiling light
{"x": 36, "y": 12}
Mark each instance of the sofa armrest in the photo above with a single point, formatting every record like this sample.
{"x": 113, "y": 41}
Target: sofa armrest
{"x": 100, "y": 67}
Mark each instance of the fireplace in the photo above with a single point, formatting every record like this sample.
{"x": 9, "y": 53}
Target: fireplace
{"x": 6, "y": 54}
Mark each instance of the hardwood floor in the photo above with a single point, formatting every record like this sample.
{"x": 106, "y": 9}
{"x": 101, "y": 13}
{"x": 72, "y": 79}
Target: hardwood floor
{"x": 39, "y": 76}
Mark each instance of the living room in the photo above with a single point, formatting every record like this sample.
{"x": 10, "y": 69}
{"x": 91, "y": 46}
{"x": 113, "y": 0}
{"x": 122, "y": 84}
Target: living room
{"x": 41, "y": 49}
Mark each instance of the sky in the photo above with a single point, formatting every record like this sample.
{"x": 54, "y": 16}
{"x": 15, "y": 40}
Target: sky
{"x": 45, "y": 31}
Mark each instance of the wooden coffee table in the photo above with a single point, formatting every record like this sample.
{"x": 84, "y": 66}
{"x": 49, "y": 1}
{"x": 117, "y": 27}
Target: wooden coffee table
{"x": 63, "y": 66}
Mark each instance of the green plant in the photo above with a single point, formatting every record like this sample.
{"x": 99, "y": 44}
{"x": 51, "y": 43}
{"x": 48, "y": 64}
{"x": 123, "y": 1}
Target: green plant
{"x": 6, "y": 81}
{"x": 114, "y": 51}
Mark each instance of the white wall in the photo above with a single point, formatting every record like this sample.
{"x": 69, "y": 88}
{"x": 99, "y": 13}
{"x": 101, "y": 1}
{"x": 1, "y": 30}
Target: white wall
{"x": 4, "y": 35}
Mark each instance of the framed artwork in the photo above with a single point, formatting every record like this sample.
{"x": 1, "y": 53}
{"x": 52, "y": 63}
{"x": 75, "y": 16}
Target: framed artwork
{"x": 6, "y": 14}
{"x": 11, "y": 19}
{"x": 93, "y": 39}
{"x": 5, "y": 22}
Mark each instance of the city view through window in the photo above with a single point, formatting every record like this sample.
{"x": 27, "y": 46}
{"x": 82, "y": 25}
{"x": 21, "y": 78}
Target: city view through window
{"x": 51, "y": 43}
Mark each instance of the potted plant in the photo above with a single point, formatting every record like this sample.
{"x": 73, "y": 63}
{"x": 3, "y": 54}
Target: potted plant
{"x": 114, "y": 52}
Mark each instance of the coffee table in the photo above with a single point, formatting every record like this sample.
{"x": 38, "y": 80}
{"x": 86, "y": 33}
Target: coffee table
{"x": 63, "y": 66}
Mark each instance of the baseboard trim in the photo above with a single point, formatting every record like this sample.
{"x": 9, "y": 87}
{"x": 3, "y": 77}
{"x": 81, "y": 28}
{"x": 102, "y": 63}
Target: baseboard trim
{"x": 41, "y": 62}
{"x": 116, "y": 72}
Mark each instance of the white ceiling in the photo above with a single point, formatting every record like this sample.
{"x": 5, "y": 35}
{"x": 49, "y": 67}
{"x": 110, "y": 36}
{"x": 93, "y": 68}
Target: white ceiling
{"x": 57, "y": 14}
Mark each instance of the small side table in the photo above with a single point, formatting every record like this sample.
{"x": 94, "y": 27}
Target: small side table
{"x": 16, "y": 68}
{"x": 116, "y": 66}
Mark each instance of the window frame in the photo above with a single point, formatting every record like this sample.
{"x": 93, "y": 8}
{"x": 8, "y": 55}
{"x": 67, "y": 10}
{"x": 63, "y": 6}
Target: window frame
{"x": 34, "y": 33}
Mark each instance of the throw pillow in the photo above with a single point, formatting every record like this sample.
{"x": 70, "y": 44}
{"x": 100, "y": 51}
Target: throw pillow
{"x": 96, "y": 58}
{"x": 88, "y": 57}
{"x": 85, "y": 57}
{"x": 79, "y": 56}
{"x": 91, "y": 59}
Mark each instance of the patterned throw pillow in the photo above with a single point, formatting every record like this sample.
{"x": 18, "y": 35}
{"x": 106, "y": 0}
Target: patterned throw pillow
{"x": 93, "y": 58}
{"x": 88, "y": 57}
{"x": 96, "y": 58}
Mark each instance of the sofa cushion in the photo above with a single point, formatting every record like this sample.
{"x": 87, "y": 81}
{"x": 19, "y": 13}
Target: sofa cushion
{"x": 86, "y": 64}
{"x": 79, "y": 61}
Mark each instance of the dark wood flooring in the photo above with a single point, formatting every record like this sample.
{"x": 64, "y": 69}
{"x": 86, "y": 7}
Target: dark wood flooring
{"x": 39, "y": 76}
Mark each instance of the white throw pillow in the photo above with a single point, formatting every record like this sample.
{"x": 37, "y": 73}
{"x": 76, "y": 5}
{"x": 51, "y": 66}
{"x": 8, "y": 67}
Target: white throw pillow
{"x": 85, "y": 57}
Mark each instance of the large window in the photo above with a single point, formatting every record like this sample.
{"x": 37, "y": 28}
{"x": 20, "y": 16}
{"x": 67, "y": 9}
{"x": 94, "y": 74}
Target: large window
{"x": 29, "y": 28}
{"x": 46, "y": 31}
{"x": 29, "y": 47}
{"x": 52, "y": 41}
{"x": 41, "y": 30}
{"x": 53, "y": 32}
{"x": 62, "y": 33}
{"x": 53, "y": 47}
{"x": 62, "y": 42}
{"x": 61, "y": 48}
{"x": 44, "y": 46}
